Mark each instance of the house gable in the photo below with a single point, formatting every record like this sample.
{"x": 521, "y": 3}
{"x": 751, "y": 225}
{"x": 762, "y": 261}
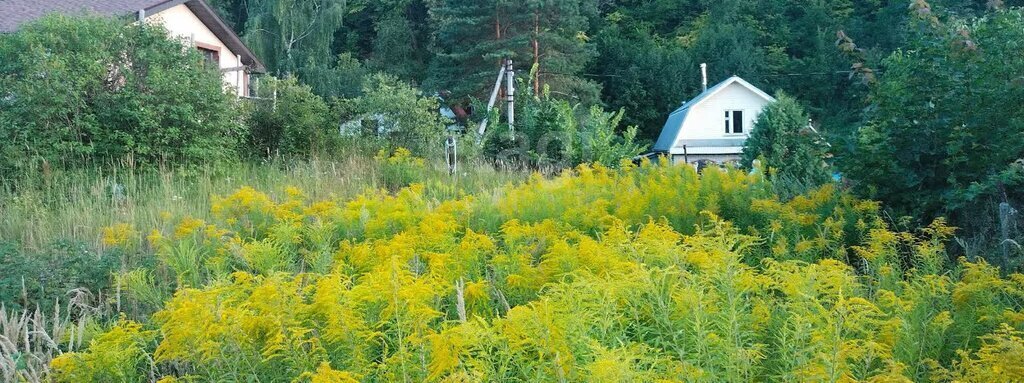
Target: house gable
{"x": 700, "y": 123}
{"x": 181, "y": 22}
{"x": 202, "y": 10}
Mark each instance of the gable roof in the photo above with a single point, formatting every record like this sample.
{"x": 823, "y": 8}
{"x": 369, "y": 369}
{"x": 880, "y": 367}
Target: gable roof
{"x": 14, "y": 13}
{"x": 670, "y": 131}
{"x": 18, "y": 12}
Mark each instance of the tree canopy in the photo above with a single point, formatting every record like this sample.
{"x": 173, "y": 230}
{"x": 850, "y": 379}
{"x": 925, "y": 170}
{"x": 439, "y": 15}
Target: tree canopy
{"x": 942, "y": 128}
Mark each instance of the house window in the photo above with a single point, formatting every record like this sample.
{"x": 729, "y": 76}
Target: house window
{"x": 211, "y": 53}
{"x": 733, "y": 121}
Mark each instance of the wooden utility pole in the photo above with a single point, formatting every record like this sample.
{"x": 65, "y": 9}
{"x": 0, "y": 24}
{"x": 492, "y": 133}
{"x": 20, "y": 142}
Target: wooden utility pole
{"x": 536, "y": 53}
{"x": 497, "y": 23}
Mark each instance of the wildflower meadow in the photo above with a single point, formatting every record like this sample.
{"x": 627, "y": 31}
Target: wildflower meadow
{"x": 644, "y": 273}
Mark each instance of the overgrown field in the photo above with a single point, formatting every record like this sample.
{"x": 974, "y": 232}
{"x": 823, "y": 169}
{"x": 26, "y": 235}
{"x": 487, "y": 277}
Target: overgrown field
{"x": 645, "y": 273}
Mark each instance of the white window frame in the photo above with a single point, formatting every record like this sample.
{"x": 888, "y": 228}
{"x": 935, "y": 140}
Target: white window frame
{"x": 731, "y": 124}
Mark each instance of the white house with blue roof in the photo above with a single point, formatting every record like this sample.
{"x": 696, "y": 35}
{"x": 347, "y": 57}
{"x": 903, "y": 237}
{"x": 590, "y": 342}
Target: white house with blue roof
{"x": 714, "y": 125}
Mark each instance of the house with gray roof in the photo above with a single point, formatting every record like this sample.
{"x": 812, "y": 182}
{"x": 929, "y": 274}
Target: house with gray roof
{"x": 192, "y": 21}
{"x": 714, "y": 125}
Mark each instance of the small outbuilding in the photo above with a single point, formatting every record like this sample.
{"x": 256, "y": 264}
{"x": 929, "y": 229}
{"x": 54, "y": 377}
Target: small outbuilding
{"x": 713, "y": 126}
{"x": 193, "y": 21}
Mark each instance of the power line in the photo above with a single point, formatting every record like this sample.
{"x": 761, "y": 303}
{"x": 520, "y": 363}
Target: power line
{"x": 808, "y": 74}
{"x": 844, "y": 72}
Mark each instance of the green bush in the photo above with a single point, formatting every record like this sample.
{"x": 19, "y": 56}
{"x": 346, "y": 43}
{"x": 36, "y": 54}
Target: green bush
{"x": 400, "y": 168}
{"x": 293, "y": 121}
{"x": 396, "y": 114}
{"x": 74, "y": 89}
{"x": 41, "y": 278}
{"x": 555, "y": 133}
{"x": 943, "y": 120}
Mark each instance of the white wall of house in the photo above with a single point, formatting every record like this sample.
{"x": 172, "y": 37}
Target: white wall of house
{"x": 181, "y": 22}
{"x": 706, "y": 120}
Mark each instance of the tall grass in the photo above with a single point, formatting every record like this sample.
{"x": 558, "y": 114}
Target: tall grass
{"x": 29, "y": 339}
{"x": 37, "y": 208}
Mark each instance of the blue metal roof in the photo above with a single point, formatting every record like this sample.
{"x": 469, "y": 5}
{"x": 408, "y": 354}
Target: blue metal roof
{"x": 670, "y": 131}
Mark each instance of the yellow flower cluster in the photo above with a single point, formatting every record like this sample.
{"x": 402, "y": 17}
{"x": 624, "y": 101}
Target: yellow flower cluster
{"x": 114, "y": 356}
{"x": 647, "y": 273}
{"x": 398, "y": 157}
{"x": 119, "y": 235}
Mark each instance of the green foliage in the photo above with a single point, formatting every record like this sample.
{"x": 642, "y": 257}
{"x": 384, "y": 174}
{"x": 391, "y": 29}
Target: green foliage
{"x": 41, "y": 278}
{"x": 599, "y": 140}
{"x": 394, "y": 47}
{"x": 650, "y": 51}
{"x": 118, "y": 355}
{"x": 400, "y": 168}
{"x": 935, "y": 128}
{"x": 395, "y": 114}
{"x": 290, "y": 34}
{"x": 646, "y": 75}
{"x": 637, "y": 55}
{"x": 387, "y": 270}
{"x": 295, "y": 123}
{"x": 344, "y": 78}
{"x": 789, "y": 147}
{"x": 77, "y": 89}
{"x": 554, "y": 133}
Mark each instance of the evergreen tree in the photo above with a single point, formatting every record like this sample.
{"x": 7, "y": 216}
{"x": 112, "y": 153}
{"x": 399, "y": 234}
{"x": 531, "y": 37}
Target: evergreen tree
{"x": 644, "y": 74}
{"x": 396, "y": 48}
{"x": 466, "y": 52}
{"x": 790, "y": 149}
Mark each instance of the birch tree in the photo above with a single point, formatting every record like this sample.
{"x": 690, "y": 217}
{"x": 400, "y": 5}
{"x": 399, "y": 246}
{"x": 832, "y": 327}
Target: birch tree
{"x": 290, "y": 34}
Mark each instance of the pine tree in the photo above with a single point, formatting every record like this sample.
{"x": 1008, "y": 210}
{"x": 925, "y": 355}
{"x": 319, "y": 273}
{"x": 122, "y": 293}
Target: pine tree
{"x": 471, "y": 38}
